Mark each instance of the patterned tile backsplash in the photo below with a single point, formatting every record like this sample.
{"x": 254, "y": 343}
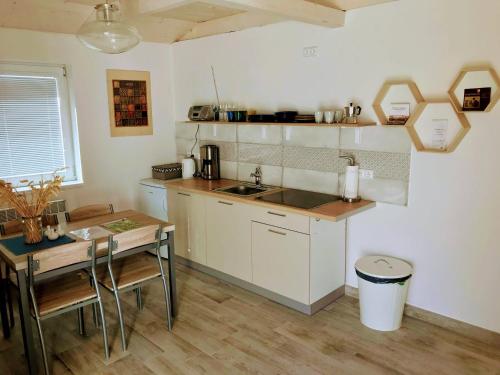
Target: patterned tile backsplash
{"x": 228, "y": 151}
{"x": 260, "y": 154}
{"x": 316, "y": 159}
{"x": 54, "y": 208}
{"x": 308, "y": 157}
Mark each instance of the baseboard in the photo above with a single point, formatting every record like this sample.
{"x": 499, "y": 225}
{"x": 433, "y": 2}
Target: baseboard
{"x": 462, "y": 328}
{"x": 301, "y": 307}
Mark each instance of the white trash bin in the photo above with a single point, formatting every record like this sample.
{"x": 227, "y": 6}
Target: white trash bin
{"x": 383, "y": 287}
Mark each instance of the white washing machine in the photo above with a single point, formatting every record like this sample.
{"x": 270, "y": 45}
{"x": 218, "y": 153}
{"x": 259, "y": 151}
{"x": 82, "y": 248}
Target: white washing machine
{"x": 153, "y": 202}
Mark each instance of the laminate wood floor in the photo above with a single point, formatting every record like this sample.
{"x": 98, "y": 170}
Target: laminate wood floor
{"x": 222, "y": 329}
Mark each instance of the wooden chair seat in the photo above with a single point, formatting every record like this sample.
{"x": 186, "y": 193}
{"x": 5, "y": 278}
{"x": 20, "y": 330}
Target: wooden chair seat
{"x": 63, "y": 292}
{"x": 129, "y": 271}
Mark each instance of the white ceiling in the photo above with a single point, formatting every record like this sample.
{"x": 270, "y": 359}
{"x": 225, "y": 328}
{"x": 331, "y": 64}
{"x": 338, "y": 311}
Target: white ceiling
{"x": 167, "y": 21}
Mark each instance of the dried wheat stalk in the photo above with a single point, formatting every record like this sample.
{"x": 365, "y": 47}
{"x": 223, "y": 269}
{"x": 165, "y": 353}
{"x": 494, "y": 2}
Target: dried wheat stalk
{"x": 30, "y": 203}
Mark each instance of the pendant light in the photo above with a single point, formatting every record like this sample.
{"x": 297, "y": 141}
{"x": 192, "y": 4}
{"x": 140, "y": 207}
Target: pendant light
{"x": 107, "y": 34}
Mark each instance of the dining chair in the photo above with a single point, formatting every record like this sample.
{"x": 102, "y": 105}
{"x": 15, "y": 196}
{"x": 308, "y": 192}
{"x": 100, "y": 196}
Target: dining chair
{"x": 16, "y": 226}
{"x": 87, "y": 212}
{"x": 7, "y": 278}
{"x": 57, "y": 295}
{"x": 6, "y": 229}
{"x": 130, "y": 272}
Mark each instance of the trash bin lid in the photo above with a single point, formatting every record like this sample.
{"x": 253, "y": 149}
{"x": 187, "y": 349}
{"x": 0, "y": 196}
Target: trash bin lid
{"x": 383, "y": 267}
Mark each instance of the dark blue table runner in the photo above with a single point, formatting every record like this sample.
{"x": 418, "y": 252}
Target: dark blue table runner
{"x": 17, "y": 246}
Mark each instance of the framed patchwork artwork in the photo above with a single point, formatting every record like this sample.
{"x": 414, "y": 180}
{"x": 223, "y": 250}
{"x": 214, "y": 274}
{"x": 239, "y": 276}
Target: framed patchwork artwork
{"x": 129, "y": 98}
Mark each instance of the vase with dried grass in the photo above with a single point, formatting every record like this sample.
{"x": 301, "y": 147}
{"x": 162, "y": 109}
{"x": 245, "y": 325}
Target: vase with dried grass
{"x": 31, "y": 203}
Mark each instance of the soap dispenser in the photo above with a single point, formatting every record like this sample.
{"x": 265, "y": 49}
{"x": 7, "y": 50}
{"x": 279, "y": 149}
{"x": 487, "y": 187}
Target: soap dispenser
{"x": 351, "y": 181}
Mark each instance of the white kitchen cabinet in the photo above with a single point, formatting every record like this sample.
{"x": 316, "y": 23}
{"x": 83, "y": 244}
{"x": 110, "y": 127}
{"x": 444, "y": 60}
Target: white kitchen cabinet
{"x": 229, "y": 237}
{"x": 327, "y": 257}
{"x": 288, "y": 254}
{"x": 187, "y": 212}
{"x": 280, "y": 260}
{"x": 281, "y": 218}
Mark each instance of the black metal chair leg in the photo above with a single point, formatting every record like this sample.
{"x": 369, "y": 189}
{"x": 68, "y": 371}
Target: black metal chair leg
{"x": 10, "y": 306}
{"x": 3, "y": 308}
{"x": 81, "y": 322}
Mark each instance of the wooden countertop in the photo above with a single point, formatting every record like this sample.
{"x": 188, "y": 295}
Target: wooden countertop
{"x": 334, "y": 211}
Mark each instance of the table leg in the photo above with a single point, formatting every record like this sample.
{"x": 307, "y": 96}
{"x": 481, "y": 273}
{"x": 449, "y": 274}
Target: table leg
{"x": 171, "y": 274}
{"x": 25, "y": 317}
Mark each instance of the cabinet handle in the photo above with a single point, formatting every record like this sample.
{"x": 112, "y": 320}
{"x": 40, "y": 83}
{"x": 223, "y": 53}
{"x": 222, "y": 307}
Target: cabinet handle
{"x": 226, "y": 203}
{"x": 185, "y": 194}
{"x": 276, "y": 232}
{"x": 276, "y": 214}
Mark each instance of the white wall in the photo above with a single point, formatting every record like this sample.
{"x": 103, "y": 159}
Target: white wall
{"x": 112, "y": 167}
{"x": 448, "y": 231}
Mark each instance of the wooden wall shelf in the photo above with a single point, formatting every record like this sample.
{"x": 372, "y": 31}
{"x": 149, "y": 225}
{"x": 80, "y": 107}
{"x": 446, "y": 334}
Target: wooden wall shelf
{"x": 360, "y": 124}
{"x": 474, "y": 78}
{"x": 412, "y": 96}
{"x": 442, "y": 109}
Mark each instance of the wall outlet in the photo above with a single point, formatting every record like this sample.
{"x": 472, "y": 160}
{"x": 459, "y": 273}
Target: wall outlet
{"x": 311, "y": 51}
{"x": 367, "y": 174}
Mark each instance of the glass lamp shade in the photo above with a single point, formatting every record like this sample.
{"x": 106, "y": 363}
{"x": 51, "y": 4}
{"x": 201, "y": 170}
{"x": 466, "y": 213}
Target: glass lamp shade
{"x": 106, "y": 34}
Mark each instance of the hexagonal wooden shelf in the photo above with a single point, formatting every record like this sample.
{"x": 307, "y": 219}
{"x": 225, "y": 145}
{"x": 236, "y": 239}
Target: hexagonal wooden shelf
{"x": 475, "y": 78}
{"x": 443, "y": 109}
{"x": 413, "y": 96}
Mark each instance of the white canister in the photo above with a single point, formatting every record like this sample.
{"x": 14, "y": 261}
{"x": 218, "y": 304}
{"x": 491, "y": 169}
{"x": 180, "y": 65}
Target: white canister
{"x": 188, "y": 168}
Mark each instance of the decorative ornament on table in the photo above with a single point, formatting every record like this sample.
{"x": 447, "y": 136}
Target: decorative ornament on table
{"x": 31, "y": 204}
{"x": 51, "y": 233}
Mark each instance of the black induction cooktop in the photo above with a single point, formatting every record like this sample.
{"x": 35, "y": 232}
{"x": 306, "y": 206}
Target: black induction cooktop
{"x": 299, "y": 198}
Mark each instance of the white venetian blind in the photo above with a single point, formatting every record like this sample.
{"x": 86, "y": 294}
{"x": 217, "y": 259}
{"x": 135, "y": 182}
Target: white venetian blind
{"x": 31, "y": 135}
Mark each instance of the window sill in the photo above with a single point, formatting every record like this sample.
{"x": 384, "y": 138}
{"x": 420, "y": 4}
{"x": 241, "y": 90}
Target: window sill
{"x": 65, "y": 186}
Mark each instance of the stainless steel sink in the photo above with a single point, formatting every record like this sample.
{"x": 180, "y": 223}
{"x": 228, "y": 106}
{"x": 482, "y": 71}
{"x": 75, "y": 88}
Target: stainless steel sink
{"x": 245, "y": 189}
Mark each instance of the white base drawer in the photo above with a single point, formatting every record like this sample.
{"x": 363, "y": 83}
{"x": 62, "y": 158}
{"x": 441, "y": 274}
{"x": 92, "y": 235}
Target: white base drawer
{"x": 281, "y": 218}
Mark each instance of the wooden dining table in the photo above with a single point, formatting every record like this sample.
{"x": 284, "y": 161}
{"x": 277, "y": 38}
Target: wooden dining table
{"x": 19, "y": 265}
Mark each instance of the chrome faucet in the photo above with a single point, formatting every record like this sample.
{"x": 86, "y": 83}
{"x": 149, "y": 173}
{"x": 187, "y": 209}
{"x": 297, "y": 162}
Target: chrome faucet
{"x": 257, "y": 175}
{"x": 349, "y": 158}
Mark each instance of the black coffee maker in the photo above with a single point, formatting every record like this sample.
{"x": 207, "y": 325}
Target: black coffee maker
{"x": 210, "y": 164}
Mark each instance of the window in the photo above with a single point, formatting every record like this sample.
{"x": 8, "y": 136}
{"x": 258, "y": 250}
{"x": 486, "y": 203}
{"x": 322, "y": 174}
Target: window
{"x": 37, "y": 133}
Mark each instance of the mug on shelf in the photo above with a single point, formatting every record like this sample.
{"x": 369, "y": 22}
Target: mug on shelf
{"x": 329, "y": 117}
{"x": 318, "y": 117}
{"x": 339, "y": 116}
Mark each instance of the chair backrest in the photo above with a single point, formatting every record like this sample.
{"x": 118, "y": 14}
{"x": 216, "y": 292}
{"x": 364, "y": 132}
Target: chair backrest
{"x": 134, "y": 238}
{"x": 87, "y": 212}
{"x": 50, "y": 219}
{"x": 16, "y": 226}
{"x": 11, "y": 227}
{"x": 61, "y": 256}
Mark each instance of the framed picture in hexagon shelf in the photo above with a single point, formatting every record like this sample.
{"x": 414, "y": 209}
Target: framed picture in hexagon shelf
{"x": 475, "y": 89}
{"x": 129, "y": 100}
{"x": 437, "y": 127}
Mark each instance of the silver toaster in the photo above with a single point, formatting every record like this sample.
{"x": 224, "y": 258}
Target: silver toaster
{"x": 201, "y": 113}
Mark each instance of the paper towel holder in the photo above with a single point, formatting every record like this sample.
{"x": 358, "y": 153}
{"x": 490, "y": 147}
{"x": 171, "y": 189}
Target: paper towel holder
{"x": 351, "y": 161}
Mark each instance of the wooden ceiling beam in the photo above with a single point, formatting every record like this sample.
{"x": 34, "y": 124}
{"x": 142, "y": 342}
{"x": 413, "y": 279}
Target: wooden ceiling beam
{"x": 230, "y": 24}
{"x": 349, "y": 4}
{"x": 297, "y": 10}
{"x": 150, "y": 7}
